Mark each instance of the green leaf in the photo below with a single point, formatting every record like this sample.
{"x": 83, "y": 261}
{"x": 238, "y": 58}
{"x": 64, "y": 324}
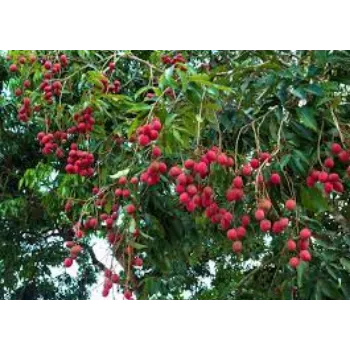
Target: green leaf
{"x": 142, "y": 90}
{"x": 314, "y": 89}
{"x": 300, "y": 272}
{"x": 299, "y": 92}
{"x": 313, "y": 200}
{"x": 331, "y": 272}
{"x": 139, "y": 107}
{"x": 177, "y": 136}
{"x": 120, "y": 174}
{"x": 167, "y": 79}
{"x": 301, "y": 156}
{"x": 328, "y": 289}
{"x": 203, "y": 79}
{"x": 134, "y": 125}
{"x": 146, "y": 236}
{"x": 285, "y": 160}
{"x": 346, "y": 263}
{"x": 184, "y": 80}
{"x": 132, "y": 225}
{"x": 137, "y": 245}
{"x": 307, "y": 118}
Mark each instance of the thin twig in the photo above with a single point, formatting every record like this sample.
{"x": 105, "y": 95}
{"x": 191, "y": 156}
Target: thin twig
{"x": 338, "y": 127}
{"x": 319, "y": 145}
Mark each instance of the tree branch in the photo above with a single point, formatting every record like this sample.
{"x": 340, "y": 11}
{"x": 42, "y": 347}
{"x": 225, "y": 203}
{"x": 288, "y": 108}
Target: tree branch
{"x": 94, "y": 259}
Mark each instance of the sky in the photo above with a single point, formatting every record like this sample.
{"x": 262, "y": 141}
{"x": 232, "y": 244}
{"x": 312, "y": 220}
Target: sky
{"x": 103, "y": 254}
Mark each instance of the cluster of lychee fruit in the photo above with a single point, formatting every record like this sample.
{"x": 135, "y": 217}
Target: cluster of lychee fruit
{"x": 302, "y": 248}
{"x": 123, "y": 191}
{"x": 192, "y": 194}
{"x": 79, "y": 162}
{"x": 51, "y": 141}
{"x": 74, "y": 249}
{"x": 152, "y": 175}
{"x": 51, "y": 89}
{"x": 21, "y": 60}
{"x": 25, "y": 110}
{"x": 331, "y": 181}
{"x": 110, "y": 279}
{"x": 108, "y": 87}
{"x": 149, "y": 132}
{"x": 84, "y": 122}
{"x": 168, "y": 60}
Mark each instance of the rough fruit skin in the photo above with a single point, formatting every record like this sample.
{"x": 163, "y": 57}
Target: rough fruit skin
{"x": 201, "y": 168}
{"x": 304, "y": 244}
{"x": 189, "y": 163}
{"x": 315, "y": 174}
{"x": 265, "y": 225}
{"x": 241, "y": 232}
{"x": 123, "y": 181}
{"x": 107, "y": 284}
{"x": 237, "y": 246}
{"x": 245, "y": 220}
{"x": 254, "y": 163}
{"x": 310, "y": 182}
{"x": 336, "y": 148}
{"x": 180, "y": 189}
{"x": 232, "y": 234}
{"x": 130, "y": 209}
{"x": 259, "y": 215}
{"x": 237, "y": 182}
{"x": 338, "y": 186}
{"x": 305, "y": 233}
{"x": 13, "y": 68}
{"x": 247, "y": 170}
{"x": 184, "y": 198}
{"x": 138, "y": 262}
{"x": 291, "y": 245}
{"x": 276, "y": 227}
{"x": 275, "y": 179}
{"x": 75, "y": 250}
{"x": 144, "y": 140}
{"x": 181, "y": 179}
{"x": 234, "y": 194}
{"x": 162, "y": 168}
{"x": 68, "y": 262}
{"x": 264, "y": 156}
{"x": 294, "y": 262}
{"x": 222, "y": 159}
{"x": 305, "y": 255}
{"x": 333, "y": 177}
{"x": 328, "y": 187}
{"x": 128, "y": 295}
{"x": 134, "y": 181}
{"x": 265, "y": 204}
{"x": 323, "y": 176}
{"x": 191, "y": 190}
{"x": 284, "y": 222}
{"x": 344, "y": 156}
{"x": 115, "y": 278}
{"x": 329, "y": 163}
{"x": 118, "y": 192}
{"x": 156, "y": 152}
{"x": 211, "y": 156}
{"x": 290, "y": 204}
{"x": 175, "y": 171}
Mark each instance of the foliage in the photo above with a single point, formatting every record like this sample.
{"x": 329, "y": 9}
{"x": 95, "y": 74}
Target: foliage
{"x": 291, "y": 105}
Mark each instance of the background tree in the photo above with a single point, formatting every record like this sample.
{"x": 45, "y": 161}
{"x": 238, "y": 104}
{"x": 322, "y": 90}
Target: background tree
{"x": 291, "y": 106}
{"x": 31, "y": 237}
